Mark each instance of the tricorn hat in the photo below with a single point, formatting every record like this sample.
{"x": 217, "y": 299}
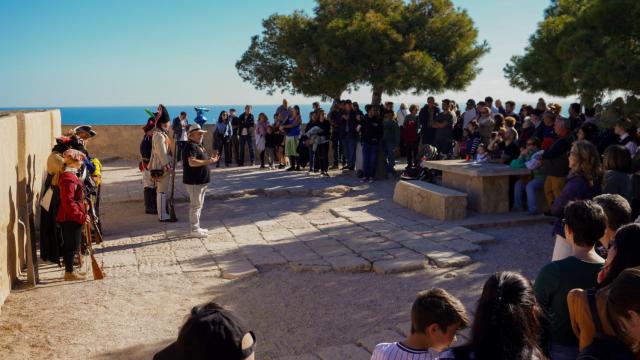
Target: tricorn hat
{"x": 85, "y": 128}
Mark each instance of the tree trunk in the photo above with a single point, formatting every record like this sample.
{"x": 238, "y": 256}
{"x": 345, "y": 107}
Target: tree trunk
{"x": 376, "y": 98}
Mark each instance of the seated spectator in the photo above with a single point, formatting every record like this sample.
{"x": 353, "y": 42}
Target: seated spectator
{"x": 473, "y": 139}
{"x": 545, "y": 131}
{"x": 436, "y": 317}
{"x": 618, "y": 213}
{"x": 530, "y": 158}
{"x": 482, "y": 156}
{"x": 504, "y": 146}
{"x": 211, "y": 332}
{"x": 584, "y": 224}
{"x": 507, "y": 323}
{"x": 623, "y": 307}
{"x": 617, "y": 171}
{"x": 624, "y": 254}
{"x": 582, "y": 183}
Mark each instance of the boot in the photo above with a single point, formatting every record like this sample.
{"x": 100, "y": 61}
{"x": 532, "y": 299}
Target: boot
{"x": 150, "y": 201}
{"x": 161, "y": 204}
{"x": 70, "y": 276}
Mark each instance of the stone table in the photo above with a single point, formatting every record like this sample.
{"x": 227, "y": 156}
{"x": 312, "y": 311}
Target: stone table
{"x": 486, "y": 184}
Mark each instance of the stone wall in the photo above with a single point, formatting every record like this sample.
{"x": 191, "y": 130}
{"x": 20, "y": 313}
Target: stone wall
{"x": 122, "y": 141}
{"x": 27, "y": 139}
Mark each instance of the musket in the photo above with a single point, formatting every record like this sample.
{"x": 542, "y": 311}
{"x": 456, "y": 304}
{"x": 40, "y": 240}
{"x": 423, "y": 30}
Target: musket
{"x": 172, "y": 211}
{"x": 98, "y": 274}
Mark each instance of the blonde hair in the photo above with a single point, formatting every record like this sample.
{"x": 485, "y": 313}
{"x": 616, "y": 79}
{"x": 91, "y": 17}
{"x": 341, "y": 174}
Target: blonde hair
{"x": 587, "y": 160}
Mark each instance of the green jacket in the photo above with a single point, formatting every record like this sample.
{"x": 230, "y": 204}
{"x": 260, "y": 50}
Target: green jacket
{"x": 521, "y": 161}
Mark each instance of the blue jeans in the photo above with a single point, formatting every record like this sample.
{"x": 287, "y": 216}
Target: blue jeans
{"x": 246, "y": 139}
{"x": 350, "y": 151}
{"x": 531, "y": 188}
{"x": 369, "y": 159}
{"x": 390, "y": 156}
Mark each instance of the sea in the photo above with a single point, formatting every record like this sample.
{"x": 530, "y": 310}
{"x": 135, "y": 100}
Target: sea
{"x": 136, "y": 115}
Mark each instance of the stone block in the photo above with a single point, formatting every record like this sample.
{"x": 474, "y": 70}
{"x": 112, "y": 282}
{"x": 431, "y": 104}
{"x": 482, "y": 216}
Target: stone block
{"x": 386, "y": 336}
{"x": 312, "y": 265}
{"x": 398, "y": 265}
{"x": 236, "y": 269}
{"x": 376, "y": 255}
{"x": 349, "y": 263}
{"x": 446, "y": 259}
{"x": 344, "y": 352}
{"x": 431, "y": 200}
{"x": 111, "y": 260}
{"x": 264, "y": 256}
{"x": 486, "y": 194}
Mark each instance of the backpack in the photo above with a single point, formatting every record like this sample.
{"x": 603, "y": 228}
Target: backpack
{"x": 603, "y": 346}
{"x": 145, "y": 148}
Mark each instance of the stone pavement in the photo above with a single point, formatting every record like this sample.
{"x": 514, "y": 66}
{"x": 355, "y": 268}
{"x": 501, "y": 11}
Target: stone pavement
{"x": 380, "y": 238}
{"x": 124, "y": 183}
{"x": 303, "y": 263}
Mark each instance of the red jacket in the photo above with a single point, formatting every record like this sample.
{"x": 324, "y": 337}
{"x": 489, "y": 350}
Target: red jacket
{"x": 410, "y": 131}
{"x": 71, "y": 199}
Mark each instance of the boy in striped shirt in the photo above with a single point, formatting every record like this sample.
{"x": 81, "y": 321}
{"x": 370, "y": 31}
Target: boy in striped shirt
{"x": 436, "y": 316}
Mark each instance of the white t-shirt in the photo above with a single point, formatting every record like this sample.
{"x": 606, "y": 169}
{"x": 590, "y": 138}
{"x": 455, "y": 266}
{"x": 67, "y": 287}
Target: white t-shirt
{"x": 401, "y": 115}
{"x": 468, "y": 116}
{"x": 397, "y": 351}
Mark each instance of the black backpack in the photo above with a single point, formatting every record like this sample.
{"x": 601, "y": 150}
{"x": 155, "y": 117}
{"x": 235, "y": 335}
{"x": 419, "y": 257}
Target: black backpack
{"x": 145, "y": 148}
{"x": 603, "y": 347}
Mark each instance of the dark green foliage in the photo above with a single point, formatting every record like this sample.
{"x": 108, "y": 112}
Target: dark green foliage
{"x": 583, "y": 47}
{"x": 422, "y": 45}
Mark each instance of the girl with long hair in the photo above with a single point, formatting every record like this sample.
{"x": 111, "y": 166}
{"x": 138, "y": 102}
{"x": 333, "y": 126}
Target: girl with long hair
{"x": 583, "y": 183}
{"x": 223, "y": 138}
{"x": 507, "y": 324}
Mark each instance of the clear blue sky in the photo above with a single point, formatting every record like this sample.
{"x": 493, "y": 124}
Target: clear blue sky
{"x": 123, "y": 52}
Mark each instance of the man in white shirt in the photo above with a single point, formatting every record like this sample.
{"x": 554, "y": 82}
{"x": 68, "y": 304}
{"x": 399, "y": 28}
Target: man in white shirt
{"x": 470, "y": 113}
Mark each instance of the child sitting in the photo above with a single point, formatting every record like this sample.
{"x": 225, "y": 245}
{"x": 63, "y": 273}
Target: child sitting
{"x": 436, "y": 316}
{"x": 482, "y": 156}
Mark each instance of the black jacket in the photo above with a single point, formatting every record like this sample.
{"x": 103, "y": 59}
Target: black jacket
{"x": 371, "y": 130}
{"x": 246, "y": 121}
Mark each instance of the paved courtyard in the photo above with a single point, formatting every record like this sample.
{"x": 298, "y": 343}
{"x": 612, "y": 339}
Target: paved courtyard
{"x": 320, "y": 268}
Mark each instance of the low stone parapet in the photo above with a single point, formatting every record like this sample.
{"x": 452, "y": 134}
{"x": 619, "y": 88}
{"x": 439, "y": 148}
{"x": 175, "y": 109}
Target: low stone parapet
{"x": 431, "y": 200}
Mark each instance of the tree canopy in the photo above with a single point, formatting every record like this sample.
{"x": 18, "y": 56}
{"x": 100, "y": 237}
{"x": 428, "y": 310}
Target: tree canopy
{"x": 391, "y": 45}
{"x": 582, "y": 47}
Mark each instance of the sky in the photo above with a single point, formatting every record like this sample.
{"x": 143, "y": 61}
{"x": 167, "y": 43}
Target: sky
{"x": 123, "y": 53}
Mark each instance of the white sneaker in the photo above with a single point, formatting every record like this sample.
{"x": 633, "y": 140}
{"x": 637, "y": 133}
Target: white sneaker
{"x": 198, "y": 233}
{"x": 206, "y": 231}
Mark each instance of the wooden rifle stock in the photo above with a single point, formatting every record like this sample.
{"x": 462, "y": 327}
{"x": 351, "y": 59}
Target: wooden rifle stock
{"x": 98, "y": 274}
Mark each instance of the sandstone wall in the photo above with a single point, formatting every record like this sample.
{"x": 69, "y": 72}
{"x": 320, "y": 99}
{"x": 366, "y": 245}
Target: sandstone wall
{"x": 123, "y": 141}
{"x": 27, "y": 139}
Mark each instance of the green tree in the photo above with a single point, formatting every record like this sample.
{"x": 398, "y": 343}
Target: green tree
{"x": 391, "y": 45}
{"x": 582, "y": 47}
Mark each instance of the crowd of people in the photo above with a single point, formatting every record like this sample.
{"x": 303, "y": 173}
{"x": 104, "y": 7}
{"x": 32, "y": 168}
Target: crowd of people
{"x": 583, "y": 303}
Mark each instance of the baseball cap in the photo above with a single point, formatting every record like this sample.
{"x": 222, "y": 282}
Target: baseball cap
{"x": 211, "y": 332}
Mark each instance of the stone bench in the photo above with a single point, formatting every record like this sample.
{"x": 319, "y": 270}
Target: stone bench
{"x": 431, "y": 200}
